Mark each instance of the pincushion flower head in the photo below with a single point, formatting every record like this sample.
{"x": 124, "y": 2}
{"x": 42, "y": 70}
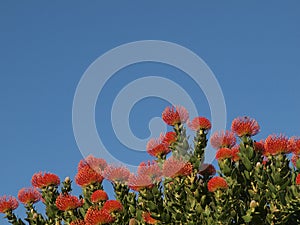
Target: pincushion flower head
{"x": 42, "y": 180}
{"x": 140, "y": 182}
{"x": 99, "y": 196}
{"x": 86, "y": 176}
{"x": 235, "y": 153}
{"x": 224, "y": 153}
{"x": 175, "y": 115}
{"x": 150, "y": 169}
{"x": 245, "y": 126}
{"x": 294, "y": 145}
{"x": 8, "y": 204}
{"x": 216, "y": 183}
{"x": 169, "y": 138}
{"x": 116, "y": 174}
{"x": 65, "y": 202}
{"x": 97, "y": 164}
{"x": 223, "y": 139}
{"x": 29, "y": 195}
{"x": 174, "y": 167}
{"x": 276, "y": 144}
{"x": 157, "y": 148}
{"x": 95, "y": 216}
{"x": 199, "y": 123}
{"x": 148, "y": 219}
{"x": 112, "y": 206}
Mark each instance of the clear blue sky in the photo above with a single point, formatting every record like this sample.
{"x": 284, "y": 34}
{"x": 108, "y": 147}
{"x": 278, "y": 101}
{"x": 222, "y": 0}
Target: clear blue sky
{"x": 45, "y": 47}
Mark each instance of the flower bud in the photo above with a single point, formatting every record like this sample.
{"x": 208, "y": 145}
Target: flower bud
{"x": 253, "y": 204}
{"x": 67, "y": 180}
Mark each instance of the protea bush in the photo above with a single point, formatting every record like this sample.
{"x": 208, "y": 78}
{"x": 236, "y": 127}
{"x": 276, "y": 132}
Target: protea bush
{"x": 258, "y": 182}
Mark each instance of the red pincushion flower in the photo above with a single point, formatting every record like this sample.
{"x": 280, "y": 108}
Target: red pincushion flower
{"x": 216, "y": 183}
{"x": 275, "y": 145}
{"x": 295, "y": 159}
{"x": 294, "y": 145}
{"x": 67, "y": 202}
{"x": 169, "y": 138}
{"x": 95, "y": 216}
{"x": 174, "y": 167}
{"x": 99, "y": 196}
{"x": 42, "y": 180}
{"x": 259, "y": 146}
{"x": 139, "y": 182}
{"x": 148, "y": 219}
{"x": 78, "y": 222}
{"x": 87, "y": 176}
{"x": 235, "y": 153}
{"x": 199, "y": 123}
{"x": 223, "y": 139}
{"x": 116, "y": 174}
{"x": 207, "y": 170}
{"x": 29, "y": 195}
{"x": 157, "y": 148}
{"x": 150, "y": 169}
{"x": 298, "y": 179}
{"x": 8, "y": 203}
{"x": 98, "y": 164}
{"x": 245, "y": 126}
{"x": 175, "y": 115}
{"x": 112, "y": 206}
{"x": 223, "y": 153}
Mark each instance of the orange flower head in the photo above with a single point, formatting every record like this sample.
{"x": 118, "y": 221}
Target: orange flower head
{"x": 87, "y": 176}
{"x": 235, "y": 153}
{"x": 78, "y": 222}
{"x": 216, "y": 183}
{"x": 245, "y": 126}
{"x": 116, "y": 174}
{"x": 294, "y": 145}
{"x": 148, "y": 219}
{"x": 99, "y": 196}
{"x": 150, "y": 169}
{"x": 97, "y": 164}
{"x": 276, "y": 144}
{"x": 157, "y": 148}
{"x": 175, "y": 115}
{"x": 29, "y": 195}
{"x": 207, "y": 170}
{"x": 298, "y": 179}
{"x": 175, "y": 167}
{"x": 259, "y": 146}
{"x": 223, "y": 139}
{"x": 169, "y": 138}
{"x": 112, "y": 206}
{"x": 8, "y": 203}
{"x": 200, "y": 123}
{"x": 67, "y": 202}
{"x": 42, "y": 180}
{"x": 224, "y": 153}
{"x": 139, "y": 182}
{"x": 95, "y": 216}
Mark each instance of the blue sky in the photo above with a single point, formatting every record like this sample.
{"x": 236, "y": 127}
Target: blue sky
{"x": 251, "y": 46}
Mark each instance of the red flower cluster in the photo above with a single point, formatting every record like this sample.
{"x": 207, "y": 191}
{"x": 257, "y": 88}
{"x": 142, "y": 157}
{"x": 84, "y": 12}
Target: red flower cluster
{"x": 116, "y": 174}
{"x": 95, "y": 216}
{"x": 42, "y": 180}
{"x": 259, "y": 146}
{"x": 223, "y": 153}
{"x": 199, "y": 123}
{"x": 174, "y": 167}
{"x": 112, "y": 206}
{"x": 99, "y": 196}
{"x": 29, "y": 195}
{"x": 97, "y": 164}
{"x": 223, "y": 139}
{"x": 276, "y": 144}
{"x": 169, "y": 138}
{"x": 86, "y": 175}
{"x": 175, "y": 115}
{"x": 245, "y": 126}
{"x": 157, "y": 148}
{"x": 67, "y": 202}
{"x": 216, "y": 183}
{"x": 139, "y": 182}
{"x": 8, "y": 204}
{"x": 148, "y": 219}
{"x": 294, "y": 145}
